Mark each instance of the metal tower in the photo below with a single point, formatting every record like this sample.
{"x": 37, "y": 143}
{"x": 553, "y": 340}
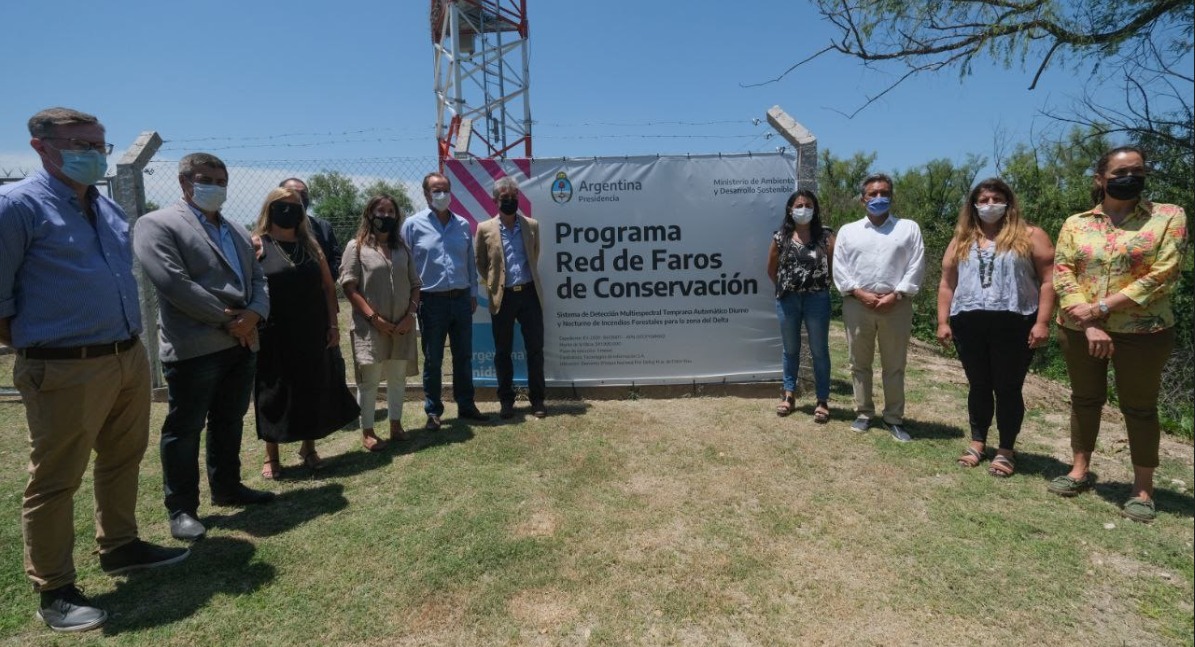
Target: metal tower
{"x": 482, "y": 104}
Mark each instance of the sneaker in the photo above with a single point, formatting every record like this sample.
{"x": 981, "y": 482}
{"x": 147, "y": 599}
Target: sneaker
{"x": 860, "y": 424}
{"x": 898, "y": 432}
{"x": 137, "y": 555}
{"x": 65, "y": 609}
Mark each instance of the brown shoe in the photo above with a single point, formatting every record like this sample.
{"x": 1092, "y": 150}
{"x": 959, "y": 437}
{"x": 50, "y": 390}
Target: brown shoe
{"x": 371, "y": 442}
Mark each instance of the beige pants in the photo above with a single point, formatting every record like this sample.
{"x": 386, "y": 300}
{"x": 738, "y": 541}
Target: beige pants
{"x": 394, "y": 371}
{"x": 72, "y": 407}
{"x": 865, "y": 327}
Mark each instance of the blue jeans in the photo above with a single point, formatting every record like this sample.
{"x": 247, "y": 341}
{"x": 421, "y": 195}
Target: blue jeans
{"x": 215, "y": 390}
{"x": 812, "y": 308}
{"x": 452, "y": 317}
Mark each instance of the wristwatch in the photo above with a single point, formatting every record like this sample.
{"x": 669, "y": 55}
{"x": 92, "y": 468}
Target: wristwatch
{"x": 1104, "y": 308}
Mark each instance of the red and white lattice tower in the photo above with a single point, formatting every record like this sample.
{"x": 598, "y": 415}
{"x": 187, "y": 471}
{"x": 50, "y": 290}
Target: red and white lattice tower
{"x": 482, "y": 104}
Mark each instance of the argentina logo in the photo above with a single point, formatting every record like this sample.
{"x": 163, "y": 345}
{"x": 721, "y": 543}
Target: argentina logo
{"x": 562, "y": 189}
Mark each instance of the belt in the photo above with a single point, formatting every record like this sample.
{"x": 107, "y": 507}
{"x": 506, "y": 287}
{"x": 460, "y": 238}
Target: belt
{"x": 447, "y": 294}
{"x": 79, "y": 352}
{"x": 522, "y": 286}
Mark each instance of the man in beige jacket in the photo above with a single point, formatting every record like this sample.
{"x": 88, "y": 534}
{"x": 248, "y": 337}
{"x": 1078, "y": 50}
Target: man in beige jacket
{"x": 507, "y": 249}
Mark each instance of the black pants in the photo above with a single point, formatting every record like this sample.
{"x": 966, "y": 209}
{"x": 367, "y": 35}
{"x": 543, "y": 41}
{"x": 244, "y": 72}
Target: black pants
{"x": 211, "y": 390}
{"x": 521, "y": 306}
{"x": 994, "y": 349}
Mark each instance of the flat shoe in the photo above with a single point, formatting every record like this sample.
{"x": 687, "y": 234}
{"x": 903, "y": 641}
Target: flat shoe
{"x": 1066, "y": 486}
{"x": 433, "y": 423}
{"x": 1140, "y": 509}
{"x": 373, "y": 443}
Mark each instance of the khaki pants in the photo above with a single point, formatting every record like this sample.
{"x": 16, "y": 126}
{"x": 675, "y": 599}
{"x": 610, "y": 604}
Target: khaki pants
{"x": 864, "y": 328}
{"x": 74, "y": 406}
{"x": 1137, "y": 360}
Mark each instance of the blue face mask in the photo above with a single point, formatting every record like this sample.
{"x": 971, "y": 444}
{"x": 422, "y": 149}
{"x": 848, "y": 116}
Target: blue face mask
{"x": 878, "y": 206}
{"x": 84, "y": 167}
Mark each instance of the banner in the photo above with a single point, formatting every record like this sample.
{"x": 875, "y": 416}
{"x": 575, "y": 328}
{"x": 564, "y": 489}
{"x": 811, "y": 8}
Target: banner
{"x": 654, "y": 268}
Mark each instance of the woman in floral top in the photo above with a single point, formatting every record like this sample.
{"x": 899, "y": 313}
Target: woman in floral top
{"x": 1115, "y": 266}
{"x": 799, "y": 266}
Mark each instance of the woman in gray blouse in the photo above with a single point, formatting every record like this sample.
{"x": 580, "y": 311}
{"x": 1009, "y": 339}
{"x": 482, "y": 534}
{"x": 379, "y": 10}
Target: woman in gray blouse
{"x": 994, "y": 302}
{"x": 379, "y": 279}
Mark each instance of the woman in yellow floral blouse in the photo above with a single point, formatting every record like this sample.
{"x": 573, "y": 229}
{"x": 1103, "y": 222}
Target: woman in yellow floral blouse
{"x": 1115, "y": 266}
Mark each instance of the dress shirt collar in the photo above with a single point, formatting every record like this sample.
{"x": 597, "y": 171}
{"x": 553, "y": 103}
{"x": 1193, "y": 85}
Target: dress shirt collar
{"x": 62, "y": 190}
{"x": 887, "y": 225}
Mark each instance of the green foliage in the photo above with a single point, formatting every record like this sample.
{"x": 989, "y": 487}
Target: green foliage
{"x": 337, "y": 198}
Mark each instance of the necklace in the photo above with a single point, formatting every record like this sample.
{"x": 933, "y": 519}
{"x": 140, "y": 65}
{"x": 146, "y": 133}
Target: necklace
{"x": 300, "y": 254}
{"x": 987, "y": 265}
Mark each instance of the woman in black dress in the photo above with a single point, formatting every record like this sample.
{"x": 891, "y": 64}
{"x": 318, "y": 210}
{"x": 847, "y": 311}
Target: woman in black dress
{"x": 298, "y": 397}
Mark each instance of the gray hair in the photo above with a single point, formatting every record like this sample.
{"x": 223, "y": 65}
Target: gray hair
{"x": 876, "y": 177}
{"x": 44, "y": 123}
{"x": 189, "y": 164}
{"x": 504, "y": 183}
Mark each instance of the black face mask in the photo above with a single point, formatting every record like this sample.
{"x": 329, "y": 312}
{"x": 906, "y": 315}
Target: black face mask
{"x": 286, "y": 215}
{"x": 384, "y": 225}
{"x": 508, "y": 206}
{"x": 1128, "y": 187}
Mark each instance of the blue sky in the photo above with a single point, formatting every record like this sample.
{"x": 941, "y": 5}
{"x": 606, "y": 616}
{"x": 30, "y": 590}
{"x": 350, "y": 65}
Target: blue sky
{"x": 266, "y": 80}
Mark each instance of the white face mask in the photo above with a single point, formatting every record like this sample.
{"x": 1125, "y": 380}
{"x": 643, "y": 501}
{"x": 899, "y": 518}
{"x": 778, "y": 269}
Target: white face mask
{"x": 803, "y": 215}
{"x": 209, "y": 197}
{"x": 440, "y": 200}
{"x": 990, "y": 213}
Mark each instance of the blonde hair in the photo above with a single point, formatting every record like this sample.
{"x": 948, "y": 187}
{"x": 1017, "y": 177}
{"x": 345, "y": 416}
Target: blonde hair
{"x": 302, "y": 231}
{"x": 1014, "y": 231}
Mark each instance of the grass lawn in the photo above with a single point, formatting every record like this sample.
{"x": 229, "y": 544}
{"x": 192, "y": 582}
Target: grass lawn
{"x": 694, "y": 520}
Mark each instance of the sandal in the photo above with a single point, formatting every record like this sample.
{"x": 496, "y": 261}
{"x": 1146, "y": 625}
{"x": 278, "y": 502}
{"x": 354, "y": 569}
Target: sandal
{"x": 786, "y": 406}
{"x": 1002, "y": 466}
{"x": 271, "y": 470}
{"x": 312, "y": 460}
{"x": 397, "y": 432}
{"x": 970, "y": 458}
{"x": 821, "y": 414}
{"x": 372, "y": 443}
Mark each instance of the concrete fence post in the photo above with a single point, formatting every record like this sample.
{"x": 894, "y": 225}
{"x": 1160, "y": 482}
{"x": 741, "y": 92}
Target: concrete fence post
{"x": 129, "y": 193}
{"x": 805, "y": 144}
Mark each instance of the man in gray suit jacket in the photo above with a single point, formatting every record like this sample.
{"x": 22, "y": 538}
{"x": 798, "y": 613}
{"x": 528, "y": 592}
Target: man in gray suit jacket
{"x": 211, "y": 296}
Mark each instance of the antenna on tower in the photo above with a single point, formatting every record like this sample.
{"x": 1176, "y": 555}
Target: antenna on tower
{"x": 482, "y": 78}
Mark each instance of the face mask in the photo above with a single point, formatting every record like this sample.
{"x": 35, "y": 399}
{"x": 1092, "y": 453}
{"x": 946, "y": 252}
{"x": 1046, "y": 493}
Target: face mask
{"x": 383, "y": 224}
{"x": 990, "y": 213}
{"x": 440, "y": 200}
{"x": 286, "y": 215}
{"x": 1128, "y": 187}
{"x": 878, "y": 206}
{"x": 84, "y": 167}
{"x": 508, "y": 206}
{"x": 802, "y": 215}
{"x": 209, "y": 197}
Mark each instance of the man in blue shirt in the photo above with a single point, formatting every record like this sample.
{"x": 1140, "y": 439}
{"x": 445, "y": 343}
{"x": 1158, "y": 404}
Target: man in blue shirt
{"x": 442, "y": 245}
{"x": 211, "y": 296}
{"x": 69, "y": 305}
{"x": 507, "y": 250}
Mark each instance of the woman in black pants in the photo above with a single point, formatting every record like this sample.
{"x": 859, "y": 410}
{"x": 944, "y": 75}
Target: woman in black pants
{"x": 994, "y": 302}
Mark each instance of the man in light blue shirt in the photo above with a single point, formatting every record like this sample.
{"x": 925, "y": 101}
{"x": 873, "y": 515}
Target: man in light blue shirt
{"x": 68, "y": 304}
{"x": 441, "y": 244}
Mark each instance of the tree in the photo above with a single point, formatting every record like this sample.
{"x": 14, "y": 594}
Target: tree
{"x": 1141, "y": 46}
{"x": 336, "y": 198}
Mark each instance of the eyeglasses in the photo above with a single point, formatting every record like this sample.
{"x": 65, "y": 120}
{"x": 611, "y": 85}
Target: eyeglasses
{"x": 84, "y": 145}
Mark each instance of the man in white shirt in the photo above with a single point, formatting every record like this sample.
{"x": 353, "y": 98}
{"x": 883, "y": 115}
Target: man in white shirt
{"x": 878, "y": 265}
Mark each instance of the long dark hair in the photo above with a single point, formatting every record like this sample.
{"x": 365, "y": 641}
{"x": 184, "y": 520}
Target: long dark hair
{"x": 365, "y": 231}
{"x": 815, "y": 226}
{"x": 1097, "y": 191}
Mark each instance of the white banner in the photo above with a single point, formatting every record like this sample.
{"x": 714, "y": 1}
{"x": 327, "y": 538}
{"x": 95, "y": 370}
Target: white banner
{"x": 654, "y": 268}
